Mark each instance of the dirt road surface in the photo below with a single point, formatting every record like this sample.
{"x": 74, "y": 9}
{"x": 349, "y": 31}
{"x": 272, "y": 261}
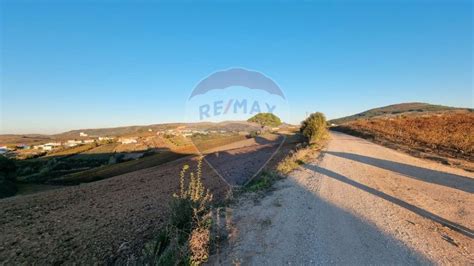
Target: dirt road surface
{"x": 357, "y": 203}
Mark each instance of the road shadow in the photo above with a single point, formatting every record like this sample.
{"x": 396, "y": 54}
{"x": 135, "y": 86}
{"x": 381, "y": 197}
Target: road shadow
{"x": 454, "y": 181}
{"x": 424, "y": 213}
{"x": 292, "y": 219}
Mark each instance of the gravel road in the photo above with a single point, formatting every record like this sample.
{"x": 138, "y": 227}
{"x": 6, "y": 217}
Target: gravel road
{"x": 357, "y": 203}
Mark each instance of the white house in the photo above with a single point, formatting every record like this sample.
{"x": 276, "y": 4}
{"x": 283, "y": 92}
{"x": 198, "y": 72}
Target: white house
{"x": 47, "y": 148}
{"x": 52, "y": 144}
{"x": 73, "y": 143}
{"x": 106, "y": 138}
{"x": 127, "y": 140}
{"x": 82, "y": 134}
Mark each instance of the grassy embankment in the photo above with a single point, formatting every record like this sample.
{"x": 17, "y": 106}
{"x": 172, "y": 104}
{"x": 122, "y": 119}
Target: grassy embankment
{"x": 449, "y": 134}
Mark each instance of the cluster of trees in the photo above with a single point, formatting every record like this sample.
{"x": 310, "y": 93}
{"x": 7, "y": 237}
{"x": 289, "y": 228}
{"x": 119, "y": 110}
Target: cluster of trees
{"x": 265, "y": 119}
{"x": 314, "y": 127}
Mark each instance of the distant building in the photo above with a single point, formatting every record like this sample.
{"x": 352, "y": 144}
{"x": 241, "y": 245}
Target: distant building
{"x": 88, "y": 141}
{"x": 105, "y": 138}
{"x": 127, "y": 140}
{"x": 23, "y": 146}
{"x": 53, "y": 144}
{"x": 82, "y": 134}
{"x": 73, "y": 143}
{"x": 46, "y": 148}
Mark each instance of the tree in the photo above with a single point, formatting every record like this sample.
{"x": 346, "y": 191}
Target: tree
{"x": 314, "y": 127}
{"x": 266, "y": 119}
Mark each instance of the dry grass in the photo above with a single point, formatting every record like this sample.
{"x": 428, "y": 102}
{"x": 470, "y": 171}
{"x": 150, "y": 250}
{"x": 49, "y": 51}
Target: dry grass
{"x": 186, "y": 239}
{"x": 199, "y": 243}
{"x": 450, "y": 134}
{"x": 299, "y": 156}
{"x": 209, "y": 142}
{"x": 72, "y": 150}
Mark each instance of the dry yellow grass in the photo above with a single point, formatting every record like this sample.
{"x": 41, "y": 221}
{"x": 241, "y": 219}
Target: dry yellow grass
{"x": 447, "y": 133}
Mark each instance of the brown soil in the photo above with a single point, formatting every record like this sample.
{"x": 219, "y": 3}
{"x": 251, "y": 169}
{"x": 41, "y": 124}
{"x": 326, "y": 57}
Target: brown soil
{"x": 109, "y": 219}
{"x": 237, "y": 165}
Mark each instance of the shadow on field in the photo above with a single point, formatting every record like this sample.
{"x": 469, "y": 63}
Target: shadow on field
{"x": 426, "y": 214}
{"x": 427, "y": 175}
{"x": 89, "y": 167}
{"x": 238, "y": 165}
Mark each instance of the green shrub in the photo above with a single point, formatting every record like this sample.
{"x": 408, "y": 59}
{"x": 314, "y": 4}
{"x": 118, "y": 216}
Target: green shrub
{"x": 253, "y": 134}
{"x": 314, "y": 127}
{"x": 262, "y": 182}
{"x": 266, "y": 119}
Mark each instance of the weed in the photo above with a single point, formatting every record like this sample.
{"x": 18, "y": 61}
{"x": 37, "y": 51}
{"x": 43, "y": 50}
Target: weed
{"x": 262, "y": 182}
{"x": 186, "y": 238}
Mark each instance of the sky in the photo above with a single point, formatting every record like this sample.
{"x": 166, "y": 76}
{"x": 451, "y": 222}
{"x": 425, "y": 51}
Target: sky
{"x": 97, "y": 64}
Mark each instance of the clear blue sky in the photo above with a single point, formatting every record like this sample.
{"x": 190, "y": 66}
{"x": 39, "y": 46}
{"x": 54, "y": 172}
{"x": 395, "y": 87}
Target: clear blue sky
{"x": 103, "y": 64}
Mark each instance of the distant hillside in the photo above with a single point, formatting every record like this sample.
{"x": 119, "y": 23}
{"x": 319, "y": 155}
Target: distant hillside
{"x": 131, "y": 130}
{"x": 28, "y": 139}
{"x": 126, "y": 131}
{"x": 396, "y": 109}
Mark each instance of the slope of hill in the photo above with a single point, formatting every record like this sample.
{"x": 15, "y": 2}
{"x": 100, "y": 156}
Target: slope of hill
{"x": 397, "y": 109}
{"x": 128, "y": 130}
{"x": 9, "y": 139}
{"x": 28, "y": 139}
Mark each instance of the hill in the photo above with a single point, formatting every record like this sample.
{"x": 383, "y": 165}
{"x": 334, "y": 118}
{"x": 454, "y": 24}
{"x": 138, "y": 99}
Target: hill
{"x": 134, "y": 130}
{"x": 397, "y": 109}
{"x": 31, "y": 139}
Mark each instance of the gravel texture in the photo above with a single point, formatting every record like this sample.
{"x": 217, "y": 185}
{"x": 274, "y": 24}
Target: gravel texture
{"x": 358, "y": 203}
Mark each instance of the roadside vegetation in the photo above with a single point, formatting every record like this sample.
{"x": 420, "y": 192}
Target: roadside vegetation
{"x": 314, "y": 129}
{"x": 447, "y": 134}
{"x": 186, "y": 238}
